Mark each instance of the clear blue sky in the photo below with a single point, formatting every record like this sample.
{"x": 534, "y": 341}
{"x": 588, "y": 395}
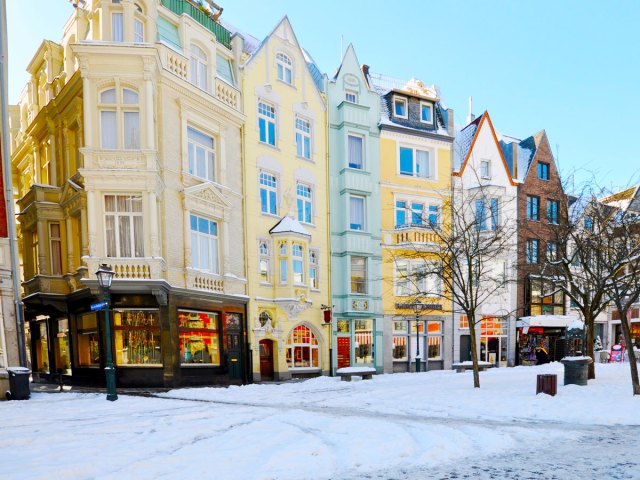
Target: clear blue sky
{"x": 570, "y": 67}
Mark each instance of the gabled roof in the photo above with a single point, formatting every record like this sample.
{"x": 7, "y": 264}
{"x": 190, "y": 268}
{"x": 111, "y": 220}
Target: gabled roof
{"x": 350, "y": 55}
{"x": 289, "y": 224}
{"x": 469, "y": 135}
{"x": 518, "y": 154}
{"x": 626, "y": 200}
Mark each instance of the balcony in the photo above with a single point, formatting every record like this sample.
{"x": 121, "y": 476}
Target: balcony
{"x": 227, "y": 94}
{"x": 414, "y": 234}
{"x": 192, "y": 9}
{"x": 46, "y": 284}
{"x": 354, "y": 114}
{"x": 210, "y": 282}
{"x": 130, "y": 268}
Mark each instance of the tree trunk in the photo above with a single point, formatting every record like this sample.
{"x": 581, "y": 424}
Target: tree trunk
{"x": 589, "y": 325}
{"x": 474, "y": 353}
{"x": 626, "y": 332}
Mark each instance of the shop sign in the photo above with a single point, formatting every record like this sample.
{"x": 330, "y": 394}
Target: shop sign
{"x": 98, "y": 306}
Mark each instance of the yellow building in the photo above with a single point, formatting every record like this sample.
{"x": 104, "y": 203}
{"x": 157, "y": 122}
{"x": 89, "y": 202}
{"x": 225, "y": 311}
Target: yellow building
{"x": 416, "y": 135}
{"x": 285, "y": 185}
{"x": 126, "y": 147}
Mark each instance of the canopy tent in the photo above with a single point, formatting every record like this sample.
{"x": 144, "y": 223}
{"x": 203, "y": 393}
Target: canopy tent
{"x": 551, "y": 321}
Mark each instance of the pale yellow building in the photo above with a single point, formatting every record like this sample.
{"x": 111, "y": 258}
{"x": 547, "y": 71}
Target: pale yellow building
{"x": 285, "y": 185}
{"x": 416, "y": 135}
{"x": 126, "y": 147}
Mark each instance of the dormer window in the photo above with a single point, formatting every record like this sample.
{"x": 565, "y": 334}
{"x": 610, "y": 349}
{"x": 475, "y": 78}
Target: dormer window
{"x": 485, "y": 169}
{"x": 284, "y": 66}
{"x": 400, "y": 107}
{"x": 426, "y": 112}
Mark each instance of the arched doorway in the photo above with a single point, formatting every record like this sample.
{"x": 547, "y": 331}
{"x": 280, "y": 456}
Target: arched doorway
{"x": 303, "y": 351}
{"x": 266, "y": 359}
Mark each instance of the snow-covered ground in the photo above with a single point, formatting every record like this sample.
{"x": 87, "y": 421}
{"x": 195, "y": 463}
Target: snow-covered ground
{"x": 394, "y": 426}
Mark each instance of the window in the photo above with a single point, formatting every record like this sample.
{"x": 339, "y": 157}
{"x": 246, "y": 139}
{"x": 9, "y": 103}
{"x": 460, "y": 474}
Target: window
{"x": 201, "y": 154}
{"x": 350, "y": 96}
{"x": 552, "y": 211}
{"x": 435, "y": 336}
{"x": 55, "y": 248}
{"x": 552, "y": 251}
{"x": 267, "y": 123}
{"x": 283, "y": 263}
{"x": 34, "y": 252}
{"x": 487, "y": 214}
{"x": 268, "y": 193}
{"x": 119, "y": 118}
{"x": 298, "y": 270}
{"x": 264, "y": 262}
{"x": 434, "y": 215}
{"x": 204, "y": 244}
{"x": 283, "y": 64}
{"x": 417, "y": 210}
{"x": 199, "y": 338}
{"x": 304, "y": 202}
{"x": 302, "y": 349}
{"x": 198, "y": 67}
{"x": 137, "y": 337}
{"x": 463, "y": 322}
{"x": 426, "y": 112}
{"x": 406, "y": 334}
{"x": 541, "y": 297}
{"x": 303, "y": 138}
{"x": 356, "y": 152}
{"x": 402, "y": 285}
{"x": 224, "y": 69}
{"x": 400, "y": 107}
{"x": 138, "y": 31}
{"x": 356, "y": 213}
{"x": 117, "y": 32}
{"x": 533, "y": 208}
{"x": 416, "y": 278}
{"x": 531, "y": 252}
{"x": 358, "y": 275}
{"x": 485, "y": 169}
{"x": 88, "y": 341}
{"x": 401, "y": 213}
{"x": 543, "y": 171}
{"x": 418, "y": 214}
{"x": 588, "y": 223}
{"x": 123, "y": 225}
{"x": 313, "y": 269}
{"x": 415, "y": 163}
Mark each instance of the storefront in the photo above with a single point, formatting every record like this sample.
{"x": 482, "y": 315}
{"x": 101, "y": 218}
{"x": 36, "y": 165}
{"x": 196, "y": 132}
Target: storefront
{"x": 422, "y": 339}
{"x": 634, "y": 327}
{"x": 161, "y": 337}
{"x": 544, "y": 338}
{"x": 357, "y": 342}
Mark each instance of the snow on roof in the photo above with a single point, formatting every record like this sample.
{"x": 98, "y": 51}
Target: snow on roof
{"x": 562, "y": 321}
{"x": 462, "y": 143}
{"x": 289, "y": 225}
{"x": 251, "y": 43}
{"x": 518, "y": 154}
{"x": 626, "y": 200}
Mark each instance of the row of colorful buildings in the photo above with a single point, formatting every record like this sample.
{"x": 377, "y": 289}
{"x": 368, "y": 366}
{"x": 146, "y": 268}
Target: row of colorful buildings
{"x": 258, "y": 213}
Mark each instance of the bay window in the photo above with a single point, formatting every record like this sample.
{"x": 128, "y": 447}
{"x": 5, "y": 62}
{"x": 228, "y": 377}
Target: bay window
{"x": 356, "y": 213}
{"x": 119, "y": 119}
{"x": 358, "y": 275}
{"x": 298, "y": 269}
{"x": 355, "y": 151}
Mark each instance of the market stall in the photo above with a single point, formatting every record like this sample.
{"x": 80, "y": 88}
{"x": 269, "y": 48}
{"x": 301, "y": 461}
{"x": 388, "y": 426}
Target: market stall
{"x": 548, "y": 338}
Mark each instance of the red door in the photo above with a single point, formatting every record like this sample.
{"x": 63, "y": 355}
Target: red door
{"x": 344, "y": 352}
{"x": 266, "y": 359}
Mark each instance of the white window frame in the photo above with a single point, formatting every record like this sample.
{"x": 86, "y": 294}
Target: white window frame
{"x": 297, "y": 261}
{"x": 362, "y": 157}
{"x": 117, "y": 27}
{"x": 283, "y": 259}
{"x": 264, "y": 260}
{"x": 194, "y": 147}
{"x": 121, "y": 111}
{"x": 303, "y": 137}
{"x": 351, "y": 93}
{"x": 284, "y": 66}
{"x": 305, "y": 200}
{"x": 132, "y": 215}
{"x": 414, "y": 159}
{"x": 205, "y": 239}
{"x": 485, "y": 173}
{"x": 314, "y": 269}
{"x": 267, "y": 114}
{"x": 198, "y": 67}
{"x": 364, "y": 213}
{"x": 430, "y": 105}
{"x": 408, "y": 285}
{"x": 271, "y": 201}
{"x": 364, "y": 282}
{"x": 406, "y": 106}
{"x": 138, "y": 30}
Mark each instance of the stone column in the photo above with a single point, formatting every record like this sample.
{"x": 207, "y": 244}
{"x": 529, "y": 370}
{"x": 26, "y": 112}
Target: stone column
{"x": 71, "y": 268}
{"x": 90, "y": 217}
{"x": 153, "y": 224}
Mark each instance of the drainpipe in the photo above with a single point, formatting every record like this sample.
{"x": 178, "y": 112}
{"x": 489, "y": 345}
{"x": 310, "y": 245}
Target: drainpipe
{"x": 8, "y": 188}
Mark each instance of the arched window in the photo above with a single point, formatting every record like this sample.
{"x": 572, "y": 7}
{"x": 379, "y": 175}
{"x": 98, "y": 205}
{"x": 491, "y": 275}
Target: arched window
{"x": 283, "y": 64}
{"x": 302, "y": 349}
{"x": 119, "y": 119}
{"x": 198, "y": 67}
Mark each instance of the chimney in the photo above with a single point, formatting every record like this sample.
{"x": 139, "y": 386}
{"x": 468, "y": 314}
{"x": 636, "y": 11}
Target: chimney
{"x": 471, "y": 116}
{"x": 450, "y": 122}
{"x": 365, "y": 71}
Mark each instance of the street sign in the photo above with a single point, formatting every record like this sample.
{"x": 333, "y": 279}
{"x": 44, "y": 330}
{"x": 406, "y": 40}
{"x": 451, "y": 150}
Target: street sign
{"x": 98, "y": 306}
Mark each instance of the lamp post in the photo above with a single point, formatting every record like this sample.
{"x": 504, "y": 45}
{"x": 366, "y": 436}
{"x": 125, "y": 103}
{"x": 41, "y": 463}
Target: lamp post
{"x": 417, "y": 308}
{"x": 105, "y": 277}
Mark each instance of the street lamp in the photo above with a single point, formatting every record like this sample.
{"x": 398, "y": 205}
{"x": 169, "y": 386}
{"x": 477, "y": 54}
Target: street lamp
{"x": 105, "y": 277}
{"x": 417, "y": 307}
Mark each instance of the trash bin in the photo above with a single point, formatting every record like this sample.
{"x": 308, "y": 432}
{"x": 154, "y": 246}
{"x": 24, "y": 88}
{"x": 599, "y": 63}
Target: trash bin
{"x": 576, "y": 370}
{"x": 18, "y": 383}
{"x": 547, "y": 384}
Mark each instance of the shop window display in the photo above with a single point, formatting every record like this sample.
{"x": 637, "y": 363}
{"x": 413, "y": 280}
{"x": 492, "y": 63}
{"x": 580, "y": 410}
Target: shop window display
{"x": 88, "y": 342}
{"x": 302, "y": 349}
{"x": 137, "y": 337}
{"x": 61, "y": 346}
{"x": 41, "y": 346}
{"x": 363, "y": 333}
{"x": 199, "y": 338}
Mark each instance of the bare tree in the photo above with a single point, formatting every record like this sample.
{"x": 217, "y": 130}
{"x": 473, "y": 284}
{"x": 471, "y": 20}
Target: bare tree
{"x": 469, "y": 253}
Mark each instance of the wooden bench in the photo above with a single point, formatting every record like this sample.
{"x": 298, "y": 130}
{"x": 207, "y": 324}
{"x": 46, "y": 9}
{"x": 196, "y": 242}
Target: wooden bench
{"x": 345, "y": 374}
{"x": 468, "y": 365}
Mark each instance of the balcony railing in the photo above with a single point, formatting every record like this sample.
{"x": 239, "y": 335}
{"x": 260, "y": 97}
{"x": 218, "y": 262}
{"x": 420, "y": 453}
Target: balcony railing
{"x": 414, "y": 235}
{"x": 129, "y": 268}
{"x": 193, "y": 10}
{"x": 204, "y": 281}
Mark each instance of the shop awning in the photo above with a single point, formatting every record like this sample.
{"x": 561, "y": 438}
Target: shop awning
{"x": 550, "y": 321}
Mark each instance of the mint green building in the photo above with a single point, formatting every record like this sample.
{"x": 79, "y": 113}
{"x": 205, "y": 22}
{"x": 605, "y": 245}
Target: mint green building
{"x": 355, "y": 217}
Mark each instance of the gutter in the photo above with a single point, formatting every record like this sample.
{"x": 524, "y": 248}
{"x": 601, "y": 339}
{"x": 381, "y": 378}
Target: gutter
{"x": 8, "y": 189}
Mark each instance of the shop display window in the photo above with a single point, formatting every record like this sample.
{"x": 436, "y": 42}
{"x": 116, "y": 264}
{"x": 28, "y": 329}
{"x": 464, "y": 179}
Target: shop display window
{"x": 61, "y": 346}
{"x": 41, "y": 347}
{"x": 137, "y": 337}
{"x": 88, "y": 351}
{"x": 199, "y": 338}
{"x": 363, "y": 335}
{"x": 399, "y": 348}
{"x": 435, "y": 340}
{"x": 302, "y": 349}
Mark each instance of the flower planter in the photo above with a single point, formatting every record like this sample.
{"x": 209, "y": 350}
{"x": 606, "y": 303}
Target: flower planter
{"x": 576, "y": 370}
